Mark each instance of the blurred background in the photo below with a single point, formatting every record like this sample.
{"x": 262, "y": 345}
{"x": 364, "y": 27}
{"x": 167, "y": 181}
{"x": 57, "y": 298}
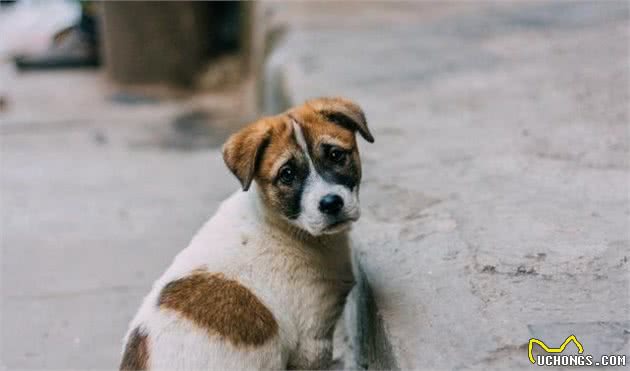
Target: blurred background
{"x": 495, "y": 199}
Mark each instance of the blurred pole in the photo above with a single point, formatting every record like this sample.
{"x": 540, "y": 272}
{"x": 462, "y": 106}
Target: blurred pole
{"x": 252, "y": 37}
{"x": 157, "y": 42}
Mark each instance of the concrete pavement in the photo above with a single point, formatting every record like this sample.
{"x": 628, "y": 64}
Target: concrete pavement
{"x": 100, "y": 187}
{"x": 496, "y": 197}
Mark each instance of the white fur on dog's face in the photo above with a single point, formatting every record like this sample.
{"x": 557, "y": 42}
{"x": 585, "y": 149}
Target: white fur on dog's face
{"x": 314, "y": 188}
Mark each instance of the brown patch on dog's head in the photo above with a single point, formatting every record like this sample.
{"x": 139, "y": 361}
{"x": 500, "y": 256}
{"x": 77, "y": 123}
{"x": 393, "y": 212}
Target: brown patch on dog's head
{"x": 220, "y": 306}
{"x": 342, "y": 112}
{"x": 260, "y": 151}
{"x": 329, "y": 124}
{"x": 278, "y": 152}
{"x": 136, "y": 355}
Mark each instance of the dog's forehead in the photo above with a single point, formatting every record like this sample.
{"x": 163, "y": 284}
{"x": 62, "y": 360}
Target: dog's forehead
{"x": 317, "y": 129}
{"x": 313, "y": 128}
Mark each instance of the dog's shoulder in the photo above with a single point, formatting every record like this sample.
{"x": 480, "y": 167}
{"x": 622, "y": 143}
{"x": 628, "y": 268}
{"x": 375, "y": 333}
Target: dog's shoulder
{"x": 220, "y": 305}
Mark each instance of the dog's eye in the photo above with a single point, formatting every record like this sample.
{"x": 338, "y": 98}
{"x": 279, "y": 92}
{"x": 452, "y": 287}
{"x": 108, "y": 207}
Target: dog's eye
{"x": 336, "y": 155}
{"x": 286, "y": 174}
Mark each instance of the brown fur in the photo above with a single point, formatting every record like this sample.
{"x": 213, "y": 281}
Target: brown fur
{"x": 242, "y": 152}
{"x": 316, "y": 128}
{"x": 136, "y": 355}
{"x": 349, "y": 113}
{"x": 221, "y": 306}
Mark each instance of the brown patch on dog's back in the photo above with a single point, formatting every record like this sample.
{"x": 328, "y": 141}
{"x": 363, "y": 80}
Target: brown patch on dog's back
{"x": 136, "y": 355}
{"x": 220, "y": 306}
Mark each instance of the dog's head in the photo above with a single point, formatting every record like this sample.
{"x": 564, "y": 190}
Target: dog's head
{"x": 305, "y": 162}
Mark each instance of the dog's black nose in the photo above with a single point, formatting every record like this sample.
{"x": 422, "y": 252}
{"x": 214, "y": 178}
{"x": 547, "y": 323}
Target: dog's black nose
{"x": 331, "y": 204}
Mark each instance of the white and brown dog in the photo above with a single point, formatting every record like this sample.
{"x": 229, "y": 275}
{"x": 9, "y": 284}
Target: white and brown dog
{"x": 263, "y": 282}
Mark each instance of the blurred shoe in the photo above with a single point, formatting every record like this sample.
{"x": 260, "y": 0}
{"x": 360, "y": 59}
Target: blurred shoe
{"x": 71, "y": 48}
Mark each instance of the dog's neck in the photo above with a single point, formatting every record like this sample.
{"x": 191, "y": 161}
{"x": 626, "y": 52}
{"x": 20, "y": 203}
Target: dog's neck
{"x": 278, "y": 223}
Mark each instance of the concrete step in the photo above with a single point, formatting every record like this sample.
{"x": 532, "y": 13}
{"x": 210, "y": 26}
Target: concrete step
{"x": 495, "y": 199}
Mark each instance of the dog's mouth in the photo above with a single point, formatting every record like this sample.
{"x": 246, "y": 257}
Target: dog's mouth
{"x": 338, "y": 226}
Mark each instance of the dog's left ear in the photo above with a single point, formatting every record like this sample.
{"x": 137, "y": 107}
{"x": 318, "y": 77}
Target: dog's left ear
{"x": 243, "y": 151}
{"x": 343, "y": 112}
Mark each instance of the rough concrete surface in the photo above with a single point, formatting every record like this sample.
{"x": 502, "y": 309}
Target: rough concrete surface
{"x": 496, "y": 197}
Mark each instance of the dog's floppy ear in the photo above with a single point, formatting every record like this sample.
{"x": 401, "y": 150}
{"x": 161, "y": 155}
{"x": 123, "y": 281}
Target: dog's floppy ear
{"x": 243, "y": 151}
{"x": 343, "y": 112}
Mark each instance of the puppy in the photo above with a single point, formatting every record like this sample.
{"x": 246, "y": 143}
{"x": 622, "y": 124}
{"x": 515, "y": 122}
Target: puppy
{"x": 263, "y": 282}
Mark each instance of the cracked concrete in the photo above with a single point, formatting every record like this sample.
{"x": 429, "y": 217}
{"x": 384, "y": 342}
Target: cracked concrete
{"x": 496, "y": 197}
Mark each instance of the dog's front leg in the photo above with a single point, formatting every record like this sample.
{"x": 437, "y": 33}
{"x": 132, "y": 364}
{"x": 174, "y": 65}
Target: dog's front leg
{"x": 312, "y": 354}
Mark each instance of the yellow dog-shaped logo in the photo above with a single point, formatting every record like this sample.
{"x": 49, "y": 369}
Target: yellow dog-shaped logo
{"x": 571, "y": 338}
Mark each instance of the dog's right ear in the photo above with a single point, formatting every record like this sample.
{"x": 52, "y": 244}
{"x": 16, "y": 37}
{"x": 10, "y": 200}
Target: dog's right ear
{"x": 343, "y": 112}
{"x": 243, "y": 151}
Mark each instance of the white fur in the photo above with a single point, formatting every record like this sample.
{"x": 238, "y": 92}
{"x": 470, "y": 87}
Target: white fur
{"x": 301, "y": 279}
{"x": 311, "y": 218}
